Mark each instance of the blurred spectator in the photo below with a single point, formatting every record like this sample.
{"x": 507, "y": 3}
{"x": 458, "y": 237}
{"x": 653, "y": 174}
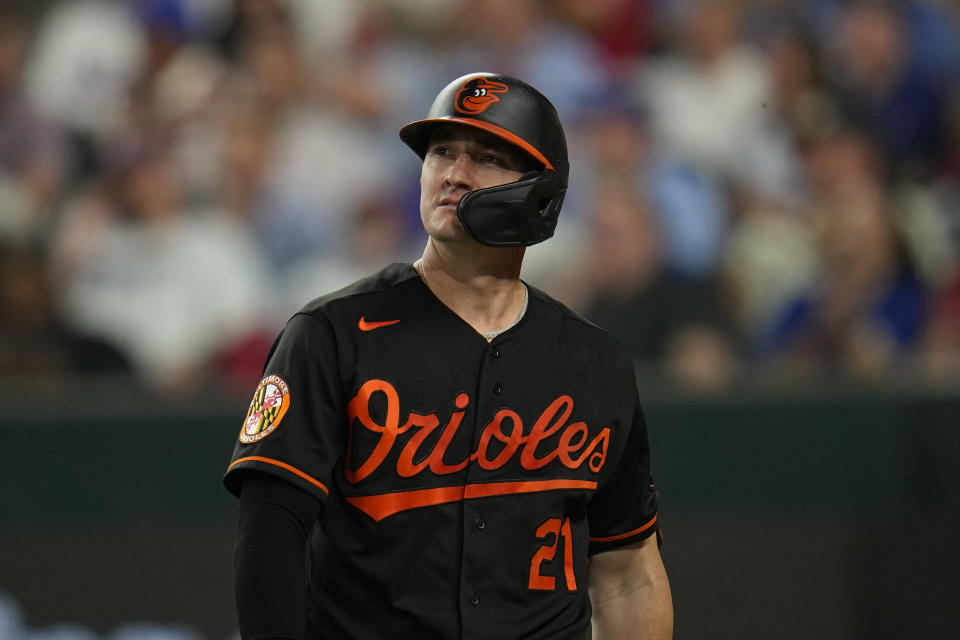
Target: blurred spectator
{"x": 251, "y": 20}
{"x": 665, "y": 321}
{"x": 85, "y": 59}
{"x": 320, "y": 159}
{"x": 165, "y": 31}
{"x": 32, "y": 152}
{"x": 866, "y": 310}
{"x": 935, "y": 37}
{"x": 242, "y": 138}
{"x": 770, "y": 258}
{"x": 174, "y": 287}
{"x": 770, "y": 255}
{"x": 622, "y": 28}
{"x": 709, "y": 91}
{"x": 802, "y": 101}
{"x": 523, "y": 38}
{"x": 885, "y": 88}
{"x": 615, "y": 133}
{"x": 35, "y": 342}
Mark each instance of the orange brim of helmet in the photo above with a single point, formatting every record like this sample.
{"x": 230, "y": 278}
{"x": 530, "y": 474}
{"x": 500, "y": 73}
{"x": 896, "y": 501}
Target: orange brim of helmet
{"x": 417, "y": 136}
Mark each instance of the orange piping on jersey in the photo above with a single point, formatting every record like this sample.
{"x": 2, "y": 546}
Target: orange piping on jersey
{"x": 283, "y": 465}
{"x": 530, "y": 486}
{"x": 627, "y": 534}
{"x": 382, "y": 505}
{"x": 506, "y": 135}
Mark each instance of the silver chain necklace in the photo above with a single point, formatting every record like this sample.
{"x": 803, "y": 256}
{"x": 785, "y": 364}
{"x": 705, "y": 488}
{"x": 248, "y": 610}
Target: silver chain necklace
{"x": 490, "y": 335}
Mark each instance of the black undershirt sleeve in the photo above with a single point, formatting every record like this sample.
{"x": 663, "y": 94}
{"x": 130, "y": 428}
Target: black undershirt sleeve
{"x": 270, "y": 557}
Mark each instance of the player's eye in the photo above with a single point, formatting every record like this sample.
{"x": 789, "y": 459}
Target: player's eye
{"x": 438, "y": 150}
{"x": 493, "y": 159}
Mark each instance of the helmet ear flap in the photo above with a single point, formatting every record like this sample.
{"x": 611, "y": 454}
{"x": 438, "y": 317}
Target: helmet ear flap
{"x": 517, "y": 214}
{"x": 538, "y": 204}
{"x": 544, "y": 198}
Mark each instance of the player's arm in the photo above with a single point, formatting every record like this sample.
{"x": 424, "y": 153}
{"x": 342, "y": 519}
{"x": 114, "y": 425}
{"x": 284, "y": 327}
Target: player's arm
{"x": 269, "y": 557}
{"x": 630, "y": 593}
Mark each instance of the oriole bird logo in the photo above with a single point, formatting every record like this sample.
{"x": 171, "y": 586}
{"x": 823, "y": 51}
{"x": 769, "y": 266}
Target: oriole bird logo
{"x": 477, "y": 94}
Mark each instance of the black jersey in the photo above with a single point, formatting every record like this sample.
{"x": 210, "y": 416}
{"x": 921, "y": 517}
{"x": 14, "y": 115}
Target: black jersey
{"x": 464, "y": 483}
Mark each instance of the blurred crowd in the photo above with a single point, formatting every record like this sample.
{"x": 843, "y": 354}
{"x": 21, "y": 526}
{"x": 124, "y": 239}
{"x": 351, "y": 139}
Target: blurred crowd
{"x": 766, "y": 188}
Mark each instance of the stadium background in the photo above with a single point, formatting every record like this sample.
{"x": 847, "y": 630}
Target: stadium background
{"x": 764, "y": 206}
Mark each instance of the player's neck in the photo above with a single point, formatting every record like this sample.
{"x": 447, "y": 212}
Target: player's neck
{"x": 473, "y": 265}
{"x": 482, "y": 287}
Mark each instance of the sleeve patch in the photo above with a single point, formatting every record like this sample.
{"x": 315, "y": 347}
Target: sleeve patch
{"x": 270, "y": 402}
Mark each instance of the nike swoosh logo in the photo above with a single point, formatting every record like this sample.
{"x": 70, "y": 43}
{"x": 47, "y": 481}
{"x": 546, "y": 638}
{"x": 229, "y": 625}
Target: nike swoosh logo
{"x": 370, "y": 326}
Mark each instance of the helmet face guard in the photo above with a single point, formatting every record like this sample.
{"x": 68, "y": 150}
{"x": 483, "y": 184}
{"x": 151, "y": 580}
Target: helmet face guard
{"x": 517, "y": 214}
{"x": 520, "y": 213}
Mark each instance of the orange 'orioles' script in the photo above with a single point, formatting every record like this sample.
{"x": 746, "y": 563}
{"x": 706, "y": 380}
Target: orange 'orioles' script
{"x": 551, "y": 439}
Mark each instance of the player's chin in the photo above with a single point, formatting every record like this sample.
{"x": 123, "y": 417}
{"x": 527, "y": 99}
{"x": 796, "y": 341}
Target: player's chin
{"x": 444, "y": 226}
{"x": 453, "y": 237}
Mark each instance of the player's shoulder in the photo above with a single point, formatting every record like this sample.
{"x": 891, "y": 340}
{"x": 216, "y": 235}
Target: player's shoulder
{"x": 572, "y": 320}
{"x": 382, "y": 283}
{"x": 577, "y": 329}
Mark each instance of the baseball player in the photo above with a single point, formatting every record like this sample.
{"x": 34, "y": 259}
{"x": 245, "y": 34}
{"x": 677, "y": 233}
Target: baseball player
{"x": 441, "y": 450}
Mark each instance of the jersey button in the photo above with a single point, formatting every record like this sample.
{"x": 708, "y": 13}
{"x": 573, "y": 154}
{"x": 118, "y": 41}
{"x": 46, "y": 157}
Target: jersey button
{"x": 474, "y": 599}
{"x": 497, "y": 388}
{"x": 480, "y": 524}
{"x": 494, "y": 353}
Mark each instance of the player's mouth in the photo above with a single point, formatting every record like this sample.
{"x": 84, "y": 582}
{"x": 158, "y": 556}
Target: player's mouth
{"x": 449, "y": 202}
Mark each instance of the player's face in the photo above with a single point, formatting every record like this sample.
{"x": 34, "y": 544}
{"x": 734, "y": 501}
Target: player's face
{"x": 461, "y": 159}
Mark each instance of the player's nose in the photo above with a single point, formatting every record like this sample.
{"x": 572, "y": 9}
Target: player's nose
{"x": 460, "y": 172}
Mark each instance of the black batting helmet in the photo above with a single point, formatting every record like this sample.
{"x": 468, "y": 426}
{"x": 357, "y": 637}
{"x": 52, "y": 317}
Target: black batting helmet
{"x": 520, "y": 213}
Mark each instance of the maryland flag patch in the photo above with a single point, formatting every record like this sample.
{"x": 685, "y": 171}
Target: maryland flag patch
{"x": 270, "y": 402}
